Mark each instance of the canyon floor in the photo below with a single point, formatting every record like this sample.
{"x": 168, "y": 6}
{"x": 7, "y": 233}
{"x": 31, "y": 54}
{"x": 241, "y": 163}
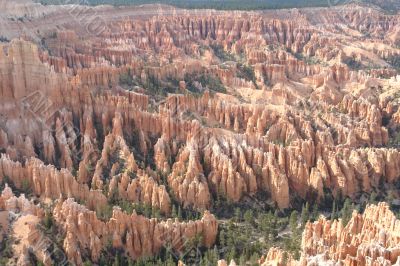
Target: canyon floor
{"x": 154, "y": 135}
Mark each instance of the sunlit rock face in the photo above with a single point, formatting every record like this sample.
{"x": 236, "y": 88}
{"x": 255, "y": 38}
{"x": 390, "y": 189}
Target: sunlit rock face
{"x": 371, "y": 238}
{"x": 136, "y": 235}
{"x": 184, "y": 107}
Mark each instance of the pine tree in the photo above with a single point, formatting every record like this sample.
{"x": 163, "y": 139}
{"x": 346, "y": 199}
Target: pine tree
{"x": 242, "y": 260}
{"x": 274, "y": 224}
{"x": 48, "y": 220}
{"x": 346, "y": 212}
{"x": 285, "y": 258}
{"x": 179, "y": 212}
{"x": 102, "y": 260}
{"x": 231, "y": 254}
{"x": 173, "y": 212}
{"x": 266, "y": 223}
{"x": 293, "y": 221}
{"x": 205, "y": 261}
{"x": 315, "y": 212}
{"x": 222, "y": 238}
{"x": 254, "y": 258}
{"x": 215, "y": 255}
{"x": 372, "y": 197}
{"x": 147, "y": 210}
{"x": 333, "y": 215}
{"x": 170, "y": 261}
{"x": 237, "y": 215}
{"x": 117, "y": 260}
{"x": 157, "y": 213}
{"x": 390, "y": 197}
{"x": 248, "y": 216}
{"x": 339, "y": 197}
{"x": 305, "y": 214}
{"x": 230, "y": 235}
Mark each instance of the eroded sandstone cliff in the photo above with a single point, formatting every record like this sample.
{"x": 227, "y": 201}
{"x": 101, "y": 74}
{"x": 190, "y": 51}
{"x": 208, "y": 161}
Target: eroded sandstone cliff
{"x": 175, "y": 110}
{"x": 371, "y": 238}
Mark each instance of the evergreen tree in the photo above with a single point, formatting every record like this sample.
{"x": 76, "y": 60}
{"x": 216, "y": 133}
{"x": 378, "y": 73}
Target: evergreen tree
{"x": 285, "y": 258}
{"x": 215, "y": 255}
{"x": 231, "y": 254}
{"x": 372, "y": 197}
{"x": 254, "y": 258}
{"x": 248, "y": 216}
{"x": 293, "y": 221}
{"x": 117, "y": 260}
{"x": 267, "y": 222}
{"x": 231, "y": 235}
{"x": 305, "y": 214}
{"x": 147, "y": 210}
{"x": 48, "y": 220}
{"x": 346, "y": 211}
{"x": 339, "y": 198}
{"x": 274, "y": 225}
{"x": 173, "y": 212}
{"x": 390, "y": 197}
{"x": 315, "y": 212}
{"x": 203, "y": 261}
{"x": 238, "y": 215}
{"x": 179, "y": 212}
{"x": 103, "y": 260}
{"x": 157, "y": 213}
{"x": 242, "y": 260}
{"x": 222, "y": 238}
{"x": 170, "y": 261}
{"x": 333, "y": 215}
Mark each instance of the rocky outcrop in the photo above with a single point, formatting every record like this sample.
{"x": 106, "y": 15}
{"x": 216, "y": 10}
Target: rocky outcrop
{"x": 187, "y": 179}
{"x": 368, "y": 239}
{"x": 10, "y": 202}
{"x": 136, "y": 235}
{"x": 115, "y": 159}
{"x": 23, "y": 72}
{"x": 48, "y": 182}
{"x": 23, "y": 217}
{"x": 136, "y": 112}
{"x": 141, "y": 189}
{"x": 277, "y": 257}
{"x": 262, "y": 149}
